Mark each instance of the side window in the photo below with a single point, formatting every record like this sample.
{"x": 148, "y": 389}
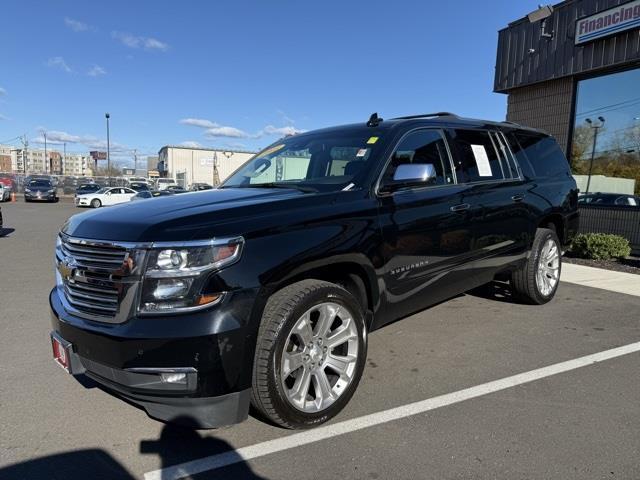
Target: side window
{"x": 477, "y": 159}
{"x": 422, "y": 146}
{"x": 544, "y": 154}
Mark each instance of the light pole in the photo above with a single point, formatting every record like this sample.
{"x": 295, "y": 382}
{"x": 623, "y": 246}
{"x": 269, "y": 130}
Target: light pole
{"x": 596, "y": 127}
{"x": 106, "y": 115}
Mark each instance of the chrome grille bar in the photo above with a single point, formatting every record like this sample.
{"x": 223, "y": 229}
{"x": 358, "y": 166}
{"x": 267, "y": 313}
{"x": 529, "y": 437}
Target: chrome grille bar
{"x": 98, "y": 280}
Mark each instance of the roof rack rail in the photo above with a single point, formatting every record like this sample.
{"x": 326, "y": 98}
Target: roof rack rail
{"x": 423, "y": 115}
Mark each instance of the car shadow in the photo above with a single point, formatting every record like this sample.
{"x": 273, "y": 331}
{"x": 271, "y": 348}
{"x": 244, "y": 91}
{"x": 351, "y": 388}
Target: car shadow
{"x": 176, "y": 445}
{"x": 497, "y": 290}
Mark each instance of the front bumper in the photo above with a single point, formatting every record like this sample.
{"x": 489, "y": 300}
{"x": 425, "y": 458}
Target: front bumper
{"x": 43, "y": 197}
{"x": 82, "y": 202}
{"x": 213, "y": 349}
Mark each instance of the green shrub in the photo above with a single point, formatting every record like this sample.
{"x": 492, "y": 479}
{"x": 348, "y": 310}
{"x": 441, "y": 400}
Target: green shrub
{"x": 600, "y": 246}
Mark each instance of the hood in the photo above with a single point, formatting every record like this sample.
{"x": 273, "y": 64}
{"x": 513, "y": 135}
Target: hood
{"x": 187, "y": 216}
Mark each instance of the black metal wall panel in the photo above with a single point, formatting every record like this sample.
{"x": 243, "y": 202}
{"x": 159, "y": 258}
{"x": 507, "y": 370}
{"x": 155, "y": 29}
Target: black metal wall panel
{"x": 525, "y": 58}
{"x": 616, "y": 220}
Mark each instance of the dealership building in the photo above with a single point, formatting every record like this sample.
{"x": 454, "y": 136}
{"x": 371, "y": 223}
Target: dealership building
{"x": 188, "y": 165}
{"x": 573, "y": 69}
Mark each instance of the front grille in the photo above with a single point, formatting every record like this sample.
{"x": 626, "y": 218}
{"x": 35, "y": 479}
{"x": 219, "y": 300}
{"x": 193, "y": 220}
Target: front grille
{"x": 97, "y": 279}
{"x": 86, "y": 256}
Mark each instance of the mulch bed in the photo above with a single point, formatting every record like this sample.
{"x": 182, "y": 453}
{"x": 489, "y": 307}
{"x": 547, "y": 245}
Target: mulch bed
{"x": 626, "y": 265}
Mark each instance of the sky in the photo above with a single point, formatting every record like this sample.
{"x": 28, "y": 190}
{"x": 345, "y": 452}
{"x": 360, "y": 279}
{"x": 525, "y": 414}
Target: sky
{"x": 239, "y": 74}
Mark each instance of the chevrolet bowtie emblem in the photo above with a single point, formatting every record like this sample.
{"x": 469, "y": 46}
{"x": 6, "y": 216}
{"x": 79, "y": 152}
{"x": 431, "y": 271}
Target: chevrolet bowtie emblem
{"x": 67, "y": 267}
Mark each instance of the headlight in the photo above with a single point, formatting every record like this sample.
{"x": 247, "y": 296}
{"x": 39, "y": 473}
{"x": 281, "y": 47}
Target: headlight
{"x": 27, "y": 190}
{"x": 176, "y": 275}
{"x": 50, "y": 191}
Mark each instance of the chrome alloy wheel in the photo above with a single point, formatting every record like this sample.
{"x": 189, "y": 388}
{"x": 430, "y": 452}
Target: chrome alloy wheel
{"x": 319, "y": 358}
{"x": 548, "y": 273}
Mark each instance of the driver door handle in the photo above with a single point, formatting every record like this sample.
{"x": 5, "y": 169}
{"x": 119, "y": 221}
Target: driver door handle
{"x": 460, "y": 208}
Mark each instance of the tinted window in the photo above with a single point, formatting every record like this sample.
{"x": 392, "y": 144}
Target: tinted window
{"x": 477, "y": 159}
{"x": 544, "y": 154}
{"x": 422, "y": 146}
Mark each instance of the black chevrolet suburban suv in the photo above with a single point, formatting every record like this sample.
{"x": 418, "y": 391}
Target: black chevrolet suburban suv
{"x": 264, "y": 290}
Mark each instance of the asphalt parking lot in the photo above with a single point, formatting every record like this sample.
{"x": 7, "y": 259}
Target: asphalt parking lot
{"x": 583, "y": 423}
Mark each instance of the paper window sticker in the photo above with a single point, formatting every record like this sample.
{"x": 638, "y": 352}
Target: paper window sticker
{"x": 362, "y": 152}
{"x": 372, "y": 140}
{"x": 482, "y": 160}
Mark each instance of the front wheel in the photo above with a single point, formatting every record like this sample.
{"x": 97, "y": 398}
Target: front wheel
{"x": 95, "y": 203}
{"x": 310, "y": 354}
{"x": 537, "y": 281}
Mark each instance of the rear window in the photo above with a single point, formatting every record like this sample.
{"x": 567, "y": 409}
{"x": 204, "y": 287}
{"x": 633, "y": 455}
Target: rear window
{"x": 477, "y": 159}
{"x": 543, "y": 154}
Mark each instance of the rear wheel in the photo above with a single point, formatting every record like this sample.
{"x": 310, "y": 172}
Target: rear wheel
{"x": 95, "y": 203}
{"x": 537, "y": 281}
{"x": 310, "y": 354}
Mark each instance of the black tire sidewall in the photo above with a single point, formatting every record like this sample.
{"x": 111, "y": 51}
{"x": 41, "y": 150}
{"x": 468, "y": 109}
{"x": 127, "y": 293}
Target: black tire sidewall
{"x": 95, "y": 203}
{"x": 290, "y": 414}
{"x": 541, "y": 240}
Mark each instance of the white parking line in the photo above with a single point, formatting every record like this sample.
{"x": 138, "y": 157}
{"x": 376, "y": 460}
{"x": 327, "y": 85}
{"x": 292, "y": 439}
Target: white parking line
{"x": 348, "y": 426}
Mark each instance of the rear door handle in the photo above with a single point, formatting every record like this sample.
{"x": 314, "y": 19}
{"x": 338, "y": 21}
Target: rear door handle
{"x": 460, "y": 208}
{"x": 518, "y": 198}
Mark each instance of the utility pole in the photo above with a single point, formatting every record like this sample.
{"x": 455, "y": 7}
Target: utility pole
{"x": 64, "y": 157}
{"x": 25, "y": 144}
{"x": 135, "y": 161}
{"x": 596, "y": 127}
{"x": 106, "y": 115}
{"x": 46, "y": 160}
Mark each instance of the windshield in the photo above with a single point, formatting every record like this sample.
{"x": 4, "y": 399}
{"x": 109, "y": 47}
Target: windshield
{"x": 328, "y": 160}
{"x": 103, "y": 190}
{"x": 40, "y": 183}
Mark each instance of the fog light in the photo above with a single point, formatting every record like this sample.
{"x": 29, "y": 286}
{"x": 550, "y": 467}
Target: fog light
{"x": 171, "y": 288}
{"x": 180, "y": 378}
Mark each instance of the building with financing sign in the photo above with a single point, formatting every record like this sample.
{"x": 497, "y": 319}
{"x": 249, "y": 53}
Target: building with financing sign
{"x": 573, "y": 69}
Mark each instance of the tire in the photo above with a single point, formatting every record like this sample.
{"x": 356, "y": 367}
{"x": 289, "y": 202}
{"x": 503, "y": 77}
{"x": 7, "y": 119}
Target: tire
{"x": 305, "y": 303}
{"x": 96, "y": 203}
{"x": 545, "y": 260}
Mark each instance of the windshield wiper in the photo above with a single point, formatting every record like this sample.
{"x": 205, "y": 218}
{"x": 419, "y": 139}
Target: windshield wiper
{"x": 280, "y": 185}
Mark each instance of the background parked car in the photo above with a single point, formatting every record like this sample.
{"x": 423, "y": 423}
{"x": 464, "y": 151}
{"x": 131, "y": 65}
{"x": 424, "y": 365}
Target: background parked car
{"x": 5, "y": 193}
{"x": 40, "y": 189}
{"x": 146, "y": 194}
{"x": 163, "y": 183}
{"x": 139, "y": 186}
{"x": 85, "y": 188}
{"x": 196, "y": 187}
{"x": 176, "y": 189}
{"x": 609, "y": 200}
{"x": 69, "y": 185}
{"x": 105, "y": 196}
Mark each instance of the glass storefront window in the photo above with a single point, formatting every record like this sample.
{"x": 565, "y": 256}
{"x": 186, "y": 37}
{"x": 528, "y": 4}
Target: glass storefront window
{"x": 615, "y": 98}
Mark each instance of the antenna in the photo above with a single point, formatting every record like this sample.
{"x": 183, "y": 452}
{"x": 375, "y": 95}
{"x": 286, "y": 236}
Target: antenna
{"x": 374, "y": 120}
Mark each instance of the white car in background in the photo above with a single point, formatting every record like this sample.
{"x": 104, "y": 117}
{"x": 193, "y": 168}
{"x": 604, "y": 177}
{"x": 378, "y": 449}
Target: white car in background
{"x": 163, "y": 183}
{"x": 5, "y": 193}
{"x": 105, "y": 196}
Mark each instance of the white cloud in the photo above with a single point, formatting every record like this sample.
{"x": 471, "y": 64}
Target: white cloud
{"x": 2, "y": 92}
{"x": 136, "y": 41}
{"x": 215, "y": 130}
{"x": 198, "y": 122}
{"x": 224, "y": 131}
{"x": 76, "y": 25}
{"x": 281, "y": 131}
{"x": 4, "y": 117}
{"x": 59, "y": 63}
{"x": 191, "y": 144}
{"x": 56, "y": 137}
{"x": 96, "y": 71}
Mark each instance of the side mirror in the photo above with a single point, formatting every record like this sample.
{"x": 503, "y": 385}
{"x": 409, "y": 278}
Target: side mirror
{"x": 412, "y": 175}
